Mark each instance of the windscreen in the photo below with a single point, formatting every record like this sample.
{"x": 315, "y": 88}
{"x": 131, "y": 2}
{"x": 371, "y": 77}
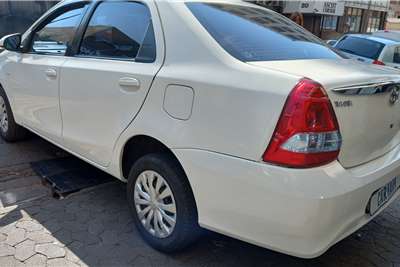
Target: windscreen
{"x": 360, "y": 46}
{"x": 257, "y": 34}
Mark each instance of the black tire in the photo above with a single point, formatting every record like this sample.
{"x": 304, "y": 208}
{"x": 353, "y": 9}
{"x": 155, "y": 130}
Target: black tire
{"x": 14, "y": 132}
{"x": 186, "y": 229}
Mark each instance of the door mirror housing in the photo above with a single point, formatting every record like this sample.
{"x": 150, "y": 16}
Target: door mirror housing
{"x": 331, "y": 42}
{"x": 11, "y": 42}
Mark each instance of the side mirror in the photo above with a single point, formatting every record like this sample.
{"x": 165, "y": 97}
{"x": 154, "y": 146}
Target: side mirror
{"x": 11, "y": 42}
{"x": 331, "y": 42}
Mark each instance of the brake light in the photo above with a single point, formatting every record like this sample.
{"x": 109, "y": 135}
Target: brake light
{"x": 378, "y": 62}
{"x": 307, "y": 133}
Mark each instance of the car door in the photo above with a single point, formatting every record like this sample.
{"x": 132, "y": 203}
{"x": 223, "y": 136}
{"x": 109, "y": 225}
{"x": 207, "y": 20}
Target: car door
{"x": 35, "y": 74}
{"x": 105, "y": 84}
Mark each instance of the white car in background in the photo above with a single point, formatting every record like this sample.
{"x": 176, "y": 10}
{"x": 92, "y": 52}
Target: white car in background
{"x": 388, "y": 34}
{"x": 218, "y": 114}
{"x": 370, "y": 49}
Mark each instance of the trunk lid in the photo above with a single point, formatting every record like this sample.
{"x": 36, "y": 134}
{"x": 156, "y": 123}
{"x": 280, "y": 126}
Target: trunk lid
{"x": 362, "y": 98}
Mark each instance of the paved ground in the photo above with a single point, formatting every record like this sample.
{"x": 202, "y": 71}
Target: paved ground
{"x": 94, "y": 228}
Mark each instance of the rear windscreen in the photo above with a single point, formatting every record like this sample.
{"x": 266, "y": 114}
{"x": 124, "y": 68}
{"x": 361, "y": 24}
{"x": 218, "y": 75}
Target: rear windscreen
{"x": 257, "y": 34}
{"x": 360, "y": 47}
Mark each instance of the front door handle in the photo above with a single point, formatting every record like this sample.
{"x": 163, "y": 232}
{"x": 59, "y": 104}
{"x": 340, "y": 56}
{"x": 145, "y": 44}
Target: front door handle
{"x": 51, "y": 73}
{"x": 129, "y": 84}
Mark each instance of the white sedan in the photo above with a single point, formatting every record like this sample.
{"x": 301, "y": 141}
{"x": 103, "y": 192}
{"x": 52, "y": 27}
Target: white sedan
{"x": 376, "y": 49}
{"x": 218, "y": 114}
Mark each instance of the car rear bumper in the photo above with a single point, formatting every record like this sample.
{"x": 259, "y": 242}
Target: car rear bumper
{"x": 297, "y": 212}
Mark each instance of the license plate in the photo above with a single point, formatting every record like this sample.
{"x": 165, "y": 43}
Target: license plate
{"x": 383, "y": 195}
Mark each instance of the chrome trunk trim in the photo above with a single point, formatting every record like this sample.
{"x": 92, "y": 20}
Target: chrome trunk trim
{"x": 368, "y": 88}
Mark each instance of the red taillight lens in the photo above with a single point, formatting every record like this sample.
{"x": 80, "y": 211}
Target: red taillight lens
{"x": 307, "y": 133}
{"x": 377, "y": 62}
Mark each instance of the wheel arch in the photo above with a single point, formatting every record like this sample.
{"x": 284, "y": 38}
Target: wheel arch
{"x": 7, "y": 93}
{"x": 141, "y": 145}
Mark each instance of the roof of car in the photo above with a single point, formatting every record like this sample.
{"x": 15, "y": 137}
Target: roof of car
{"x": 393, "y": 31}
{"x": 388, "y": 34}
{"x": 379, "y": 39}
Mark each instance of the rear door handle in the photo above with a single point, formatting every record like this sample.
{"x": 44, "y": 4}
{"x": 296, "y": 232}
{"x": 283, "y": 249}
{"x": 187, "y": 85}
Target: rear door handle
{"x": 51, "y": 73}
{"x": 129, "y": 84}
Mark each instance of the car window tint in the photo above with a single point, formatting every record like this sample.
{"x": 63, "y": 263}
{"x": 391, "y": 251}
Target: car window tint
{"x": 256, "y": 34}
{"x": 396, "y": 55}
{"x": 56, "y": 36}
{"x": 120, "y": 30}
{"x": 360, "y": 47}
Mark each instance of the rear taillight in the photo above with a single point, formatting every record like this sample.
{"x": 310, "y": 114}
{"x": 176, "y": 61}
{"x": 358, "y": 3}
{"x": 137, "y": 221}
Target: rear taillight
{"x": 307, "y": 133}
{"x": 378, "y": 62}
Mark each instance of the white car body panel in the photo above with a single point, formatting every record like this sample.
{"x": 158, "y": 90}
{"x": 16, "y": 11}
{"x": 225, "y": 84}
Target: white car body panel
{"x": 86, "y": 87}
{"x": 393, "y": 65}
{"x": 321, "y": 205}
{"x": 37, "y": 107}
{"x": 234, "y": 111}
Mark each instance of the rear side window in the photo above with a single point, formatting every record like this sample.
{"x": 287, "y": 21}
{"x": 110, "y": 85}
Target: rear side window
{"x": 360, "y": 46}
{"x": 255, "y": 34}
{"x": 396, "y": 55}
{"x": 120, "y": 30}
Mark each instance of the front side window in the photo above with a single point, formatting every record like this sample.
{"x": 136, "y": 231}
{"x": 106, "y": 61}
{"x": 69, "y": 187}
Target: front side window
{"x": 120, "y": 30}
{"x": 360, "y": 47}
{"x": 57, "y": 35}
{"x": 256, "y": 34}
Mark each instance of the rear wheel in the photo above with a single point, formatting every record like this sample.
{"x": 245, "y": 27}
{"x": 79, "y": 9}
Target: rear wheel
{"x": 162, "y": 203}
{"x": 9, "y": 129}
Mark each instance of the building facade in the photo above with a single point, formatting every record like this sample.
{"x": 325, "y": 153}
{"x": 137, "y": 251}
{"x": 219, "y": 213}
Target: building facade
{"x": 393, "y": 19}
{"x": 364, "y": 16}
{"x": 394, "y": 9}
{"x": 330, "y": 19}
{"x": 17, "y": 16}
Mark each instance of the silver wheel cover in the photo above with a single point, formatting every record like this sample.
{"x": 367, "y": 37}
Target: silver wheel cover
{"x": 155, "y": 204}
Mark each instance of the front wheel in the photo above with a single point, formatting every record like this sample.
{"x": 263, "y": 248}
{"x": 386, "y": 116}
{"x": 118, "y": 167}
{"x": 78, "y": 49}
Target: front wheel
{"x": 162, "y": 203}
{"x": 9, "y": 129}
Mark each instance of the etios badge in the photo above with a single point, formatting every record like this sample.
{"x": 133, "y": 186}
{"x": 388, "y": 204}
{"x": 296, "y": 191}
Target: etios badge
{"x": 394, "y": 95}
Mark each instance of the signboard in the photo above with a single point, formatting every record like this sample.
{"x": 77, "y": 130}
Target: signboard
{"x": 334, "y": 8}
